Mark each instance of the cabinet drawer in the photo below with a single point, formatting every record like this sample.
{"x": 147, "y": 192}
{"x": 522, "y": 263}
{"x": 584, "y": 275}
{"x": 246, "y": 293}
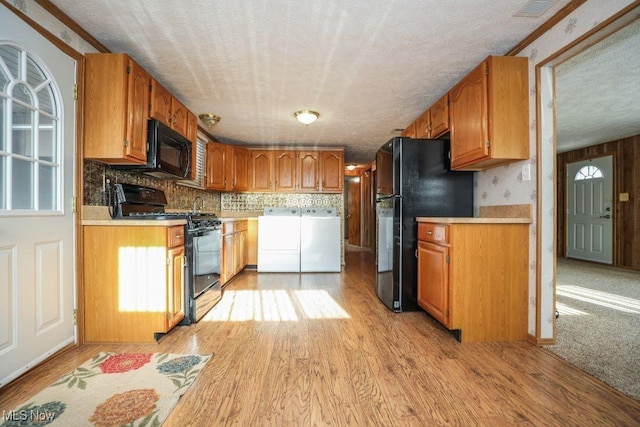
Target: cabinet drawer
{"x": 429, "y": 232}
{"x": 175, "y": 236}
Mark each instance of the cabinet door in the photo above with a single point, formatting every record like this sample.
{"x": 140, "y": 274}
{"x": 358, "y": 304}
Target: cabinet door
{"x": 440, "y": 117}
{"x": 241, "y": 169}
{"x": 228, "y": 262}
{"x": 137, "y": 112}
{"x": 423, "y": 125}
{"x": 433, "y": 280}
{"x": 175, "y": 287}
{"x": 384, "y": 172}
{"x": 179, "y": 117}
{"x": 160, "y": 103}
{"x": 192, "y": 127}
{"x": 285, "y": 170}
{"x": 216, "y": 167}
{"x": 468, "y": 109}
{"x": 261, "y": 170}
{"x": 409, "y": 131}
{"x": 238, "y": 252}
{"x": 308, "y": 171}
{"x": 332, "y": 170}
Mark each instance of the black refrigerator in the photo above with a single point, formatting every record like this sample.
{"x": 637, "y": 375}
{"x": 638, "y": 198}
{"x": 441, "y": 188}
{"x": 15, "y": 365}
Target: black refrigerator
{"x": 413, "y": 179}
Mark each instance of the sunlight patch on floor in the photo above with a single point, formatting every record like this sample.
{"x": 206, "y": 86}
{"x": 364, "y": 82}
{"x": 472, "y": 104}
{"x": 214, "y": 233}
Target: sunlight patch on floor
{"x": 565, "y": 310}
{"x": 275, "y": 306}
{"x": 604, "y": 299}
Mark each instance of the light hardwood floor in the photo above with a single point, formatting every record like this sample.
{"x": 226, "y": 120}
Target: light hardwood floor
{"x": 337, "y": 356}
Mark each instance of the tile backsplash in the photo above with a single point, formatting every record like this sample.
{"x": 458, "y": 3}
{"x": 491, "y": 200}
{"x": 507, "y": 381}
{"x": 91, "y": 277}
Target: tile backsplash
{"x": 256, "y": 202}
{"x": 181, "y": 197}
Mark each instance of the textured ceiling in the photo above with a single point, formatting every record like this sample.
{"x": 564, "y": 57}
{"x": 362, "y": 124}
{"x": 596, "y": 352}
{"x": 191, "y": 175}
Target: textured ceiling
{"x": 598, "y": 92}
{"x": 368, "y": 67}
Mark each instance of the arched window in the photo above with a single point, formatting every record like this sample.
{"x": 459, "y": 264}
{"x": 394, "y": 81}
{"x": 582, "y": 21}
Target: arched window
{"x": 30, "y": 136}
{"x": 588, "y": 172}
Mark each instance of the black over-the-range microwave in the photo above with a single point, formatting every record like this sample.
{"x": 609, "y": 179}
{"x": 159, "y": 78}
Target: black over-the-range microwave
{"x": 168, "y": 153}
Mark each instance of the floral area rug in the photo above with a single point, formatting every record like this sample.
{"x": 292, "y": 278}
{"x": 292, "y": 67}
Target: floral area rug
{"x": 131, "y": 389}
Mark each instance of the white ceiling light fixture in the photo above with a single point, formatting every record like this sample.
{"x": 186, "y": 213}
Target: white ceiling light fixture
{"x": 351, "y": 167}
{"x": 209, "y": 119}
{"x": 306, "y": 117}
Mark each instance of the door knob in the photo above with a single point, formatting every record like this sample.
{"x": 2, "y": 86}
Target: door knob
{"x": 607, "y": 216}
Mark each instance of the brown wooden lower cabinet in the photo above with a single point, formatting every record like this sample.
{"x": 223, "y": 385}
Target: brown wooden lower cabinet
{"x": 473, "y": 278}
{"x": 133, "y": 282}
{"x": 234, "y": 249}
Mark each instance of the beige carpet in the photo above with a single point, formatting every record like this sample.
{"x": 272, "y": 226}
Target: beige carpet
{"x": 133, "y": 389}
{"x": 599, "y": 325}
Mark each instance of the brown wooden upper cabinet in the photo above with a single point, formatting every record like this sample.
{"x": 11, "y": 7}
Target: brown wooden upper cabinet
{"x": 384, "y": 175}
{"x": 332, "y": 170}
{"x": 116, "y": 109}
{"x": 439, "y": 115}
{"x": 308, "y": 171}
{"x": 423, "y": 125}
{"x": 431, "y": 124}
{"x": 218, "y": 167}
{"x": 232, "y": 168}
{"x": 285, "y": 170}
{"x": 409, "y": 131}
{"x": 489, "y": 115}
{"x": 166, "y": 108}
{"x": 241, "y": 169}
{"x": 262, "y": 170}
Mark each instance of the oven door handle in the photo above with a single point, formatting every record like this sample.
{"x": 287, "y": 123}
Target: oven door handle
{"x": 203, "y": 231}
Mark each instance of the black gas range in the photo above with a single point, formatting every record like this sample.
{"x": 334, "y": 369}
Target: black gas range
{"x": 203, "y": 243}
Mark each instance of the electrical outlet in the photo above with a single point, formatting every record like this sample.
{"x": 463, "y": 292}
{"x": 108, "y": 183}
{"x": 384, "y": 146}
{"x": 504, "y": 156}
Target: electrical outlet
{"x": 526, "y": 172}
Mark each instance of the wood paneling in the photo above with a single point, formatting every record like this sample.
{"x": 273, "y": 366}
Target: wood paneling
{"x": 626, "y": 223}
{"x": 373, "y": 368}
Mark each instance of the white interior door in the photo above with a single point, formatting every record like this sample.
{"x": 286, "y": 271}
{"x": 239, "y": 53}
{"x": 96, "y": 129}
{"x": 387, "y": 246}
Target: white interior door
{"x": 37, "y": 152}
{"x": 589, "y": 210}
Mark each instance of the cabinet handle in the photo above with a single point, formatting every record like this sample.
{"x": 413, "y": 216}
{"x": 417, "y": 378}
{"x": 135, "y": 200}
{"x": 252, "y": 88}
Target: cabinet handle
{"x": 416, "y": 253}
{"x": 429, "y": 233}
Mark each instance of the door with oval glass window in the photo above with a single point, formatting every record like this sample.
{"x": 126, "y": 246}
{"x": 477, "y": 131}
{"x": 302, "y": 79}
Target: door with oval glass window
{"x": 37, "y": 154}
{"x": 590, "y": 210}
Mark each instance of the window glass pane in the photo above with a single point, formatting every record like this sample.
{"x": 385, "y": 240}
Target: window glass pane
{"x": 22, "y": 93}
{"x": 22, "y": 130}
{"x": 46, "y": 142}
{"x": 45, "y": 100}
{"x": 47, "y": 188}
{"x": 22, "y": 184}
{"x": 588, "y": 172}
{"x": 3, "y": 142}
{"x": 4, "y": 79}
{"x": 35, "y": 76}
{"x": 3, "y": 191}
{"x": 11, "y": 57}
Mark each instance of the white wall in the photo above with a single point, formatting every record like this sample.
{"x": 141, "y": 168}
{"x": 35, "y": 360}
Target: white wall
{"x": 34, "y": 11}
{"x": 504, "y": 186}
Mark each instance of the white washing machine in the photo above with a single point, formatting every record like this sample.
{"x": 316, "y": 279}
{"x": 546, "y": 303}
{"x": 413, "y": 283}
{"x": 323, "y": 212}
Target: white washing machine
{"x": 279, "y": 240}
{"x": 320, "y": 249}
